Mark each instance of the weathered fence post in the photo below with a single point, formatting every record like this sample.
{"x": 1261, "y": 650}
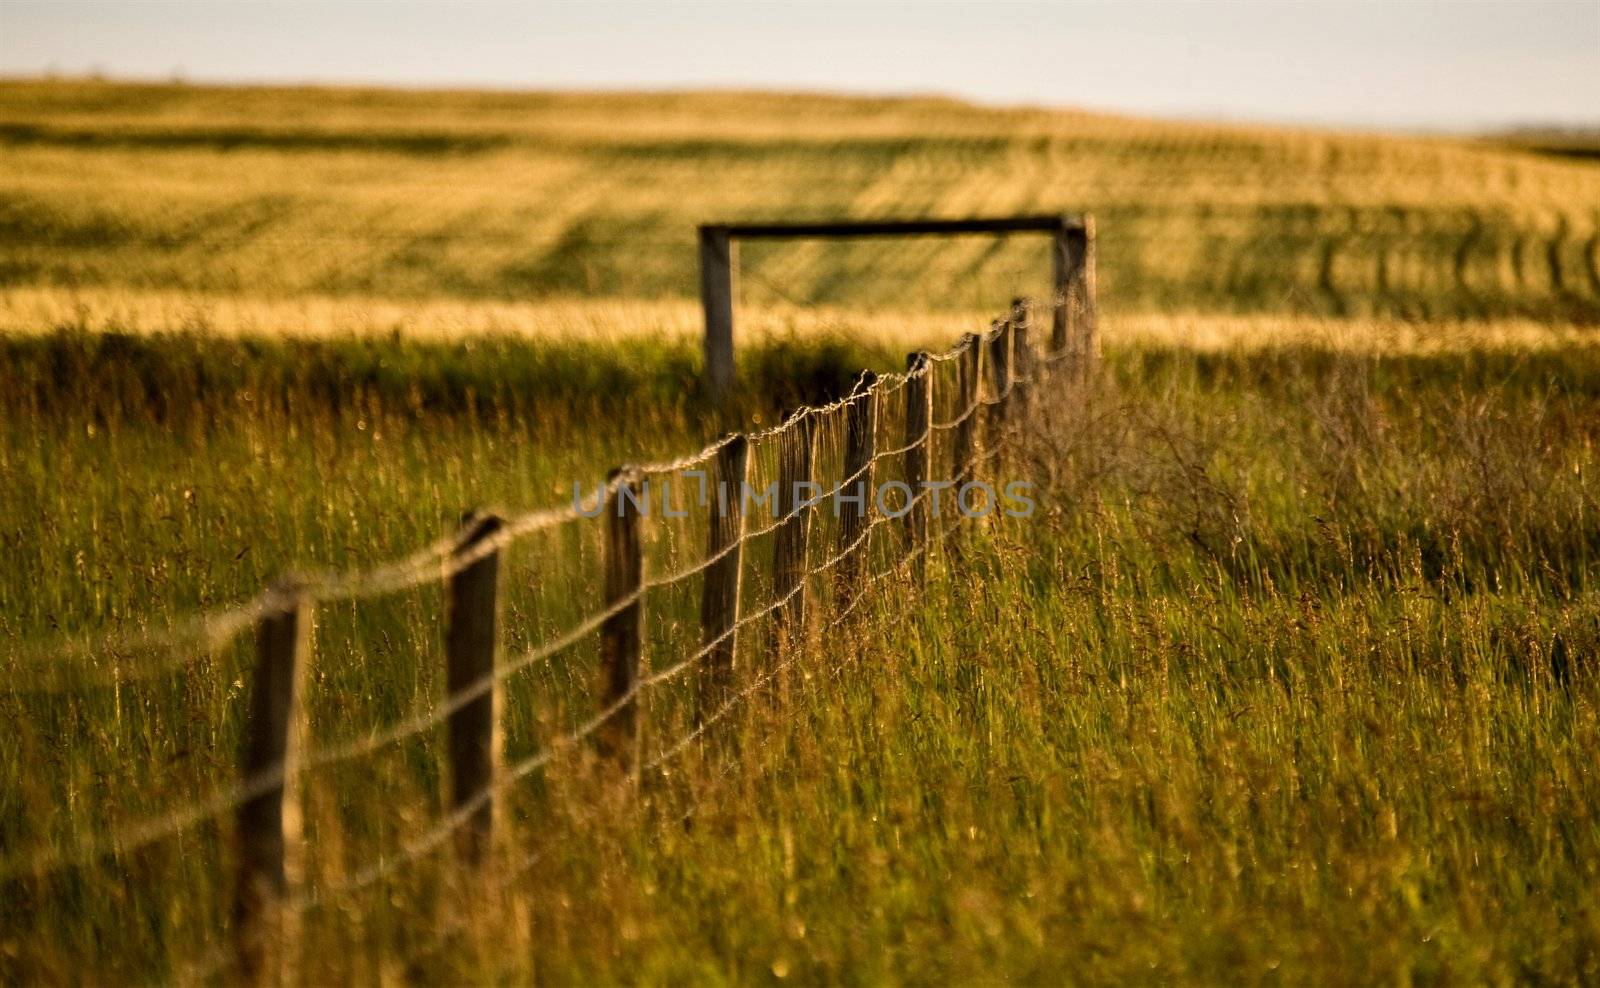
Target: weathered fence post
{"x": 268, "y": 820}
{"x": 791, "y": 542}
{"x": 1081, "y": 296}
{"x": 719, "y": 593}
{"x": 964, "y": 447}
{"x": 716, "y": 298}
{"x": 1001, "y": 380}
{"x": 1063, "y": 271}
{"x": 1023, "y": 358}
{"x": 621, "y": 636}
{"x": 470, "y": 644}
{"x": 918, "y": 437}
{"x": 855, "y": 497}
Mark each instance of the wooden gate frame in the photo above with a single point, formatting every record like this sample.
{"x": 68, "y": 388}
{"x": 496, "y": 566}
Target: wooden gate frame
{"x": 1072, "y": 256}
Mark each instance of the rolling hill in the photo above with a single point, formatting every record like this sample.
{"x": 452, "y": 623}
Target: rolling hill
{"x": 160, "y": 204}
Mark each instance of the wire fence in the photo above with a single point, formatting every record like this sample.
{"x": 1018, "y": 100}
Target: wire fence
{"x": 686, "y": 587}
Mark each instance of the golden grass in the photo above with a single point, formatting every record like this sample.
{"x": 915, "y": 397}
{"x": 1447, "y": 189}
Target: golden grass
{"x": 1292, "y": 678}
{"x": 30, "y": 311}
{"x": 494, "y": 198}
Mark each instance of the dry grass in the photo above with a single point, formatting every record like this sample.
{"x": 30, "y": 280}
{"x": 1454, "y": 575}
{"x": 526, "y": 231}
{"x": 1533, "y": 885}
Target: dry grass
{"x": 1292, "y": 678}
{"x": 496, "y": 198}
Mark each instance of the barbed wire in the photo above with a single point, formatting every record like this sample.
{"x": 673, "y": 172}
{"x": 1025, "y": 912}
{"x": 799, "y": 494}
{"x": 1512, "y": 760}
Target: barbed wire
{"x": 144, "y": 833}
{"x": 188, "y": 640}
{"x": 506, "y": 876}
{"x": 436, "y": 837}
{"x": 481, "y": 687}
{"x": 453, "y": 554}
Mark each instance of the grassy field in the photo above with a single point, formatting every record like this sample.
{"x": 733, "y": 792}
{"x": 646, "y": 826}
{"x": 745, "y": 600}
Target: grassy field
{"x": 1290, "y": 679}
{"x": 121, "y": 199}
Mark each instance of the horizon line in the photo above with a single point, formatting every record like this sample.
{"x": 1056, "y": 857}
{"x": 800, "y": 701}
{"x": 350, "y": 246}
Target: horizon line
{"x": 1498, "y": 127}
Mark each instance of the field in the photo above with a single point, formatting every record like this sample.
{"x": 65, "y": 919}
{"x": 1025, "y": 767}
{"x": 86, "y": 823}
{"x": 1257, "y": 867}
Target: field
{"x": 145, "y": 202}
{"x": 1291, "y": 677}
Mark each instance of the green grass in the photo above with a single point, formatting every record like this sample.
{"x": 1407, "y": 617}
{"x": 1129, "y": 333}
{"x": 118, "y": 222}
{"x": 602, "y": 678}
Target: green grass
{"x": 1291, "y": 676}
{"x": 1290, "y": 679}
{"x": 212, "y": 467}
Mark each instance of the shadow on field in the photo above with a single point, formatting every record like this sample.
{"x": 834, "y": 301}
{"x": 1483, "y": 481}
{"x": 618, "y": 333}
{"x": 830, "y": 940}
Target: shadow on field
{"x": 250, "y": 139}
{"x": 180, "y": 379}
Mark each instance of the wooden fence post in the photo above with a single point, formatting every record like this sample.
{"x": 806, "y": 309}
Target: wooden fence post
{"x": 854, "y": 500}
{"x": 1063, "y": 272}
{"x": 1081, "y": 295}
{"x": 918, "y": 436}
{"x": 621, "y": 636}
{"x": 970, "y": 371}
{"x": 1024, "y": 359}
{"x": 1001, "y": 381}
{"x": 716, "y": 298}
{"x": 719, "y": 593}
{"x": 268, "y": 821}
{"x": 791, "y": 543}
{"x": 964, "y": 448}
{"x": 470, "y": 645}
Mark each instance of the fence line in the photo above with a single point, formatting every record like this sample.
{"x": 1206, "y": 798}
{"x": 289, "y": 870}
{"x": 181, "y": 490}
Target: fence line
{"x": 442, "y": 560}
{"x": 1016, "y": 369}
{"x": 438, "y": 835}
{"x": 207, "y": 632}
{"x": 146, "y": 832}
{"x": 224, "y": 957}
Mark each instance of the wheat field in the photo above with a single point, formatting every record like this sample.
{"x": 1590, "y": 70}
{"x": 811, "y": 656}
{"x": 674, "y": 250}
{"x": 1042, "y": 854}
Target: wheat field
{"x": 130, "y": 202}
{"x": 1291, "y": 679}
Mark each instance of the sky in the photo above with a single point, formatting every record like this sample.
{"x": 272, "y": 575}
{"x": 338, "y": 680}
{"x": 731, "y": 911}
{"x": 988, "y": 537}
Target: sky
{"x": 1409, "y": 64}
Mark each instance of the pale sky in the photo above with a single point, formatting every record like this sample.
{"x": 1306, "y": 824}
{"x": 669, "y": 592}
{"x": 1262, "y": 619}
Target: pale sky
{"x": 1394, "y": 63}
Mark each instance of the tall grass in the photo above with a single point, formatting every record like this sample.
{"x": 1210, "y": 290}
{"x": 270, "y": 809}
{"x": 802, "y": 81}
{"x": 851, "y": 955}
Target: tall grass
{"x": 1289, "y": 679}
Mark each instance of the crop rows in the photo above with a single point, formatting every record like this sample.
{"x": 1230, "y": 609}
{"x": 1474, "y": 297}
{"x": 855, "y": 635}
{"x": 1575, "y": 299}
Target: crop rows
{"x": 402, "y": 196}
